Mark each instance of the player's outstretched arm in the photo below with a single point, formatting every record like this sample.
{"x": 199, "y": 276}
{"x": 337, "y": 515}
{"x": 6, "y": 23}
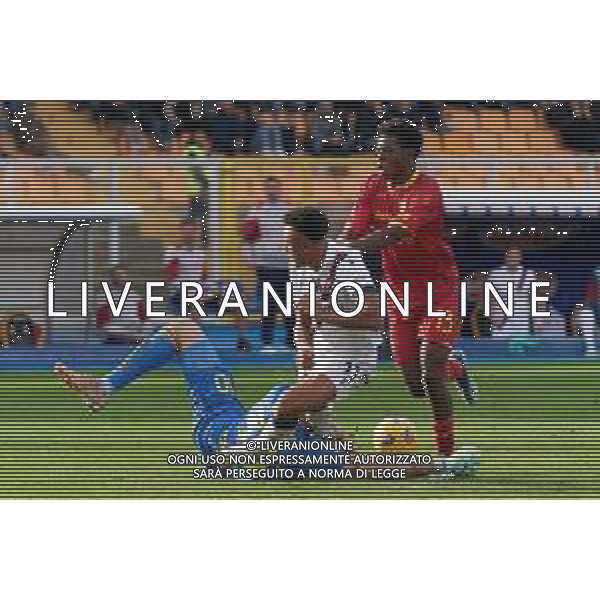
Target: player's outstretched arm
{"x": 390, "y": 234}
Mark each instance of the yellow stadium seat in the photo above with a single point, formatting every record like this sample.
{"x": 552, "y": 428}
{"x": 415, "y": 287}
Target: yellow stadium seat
{"x": 493, "y": 118}
{"x": 457, "y": 142}
{"x": 523, "y": 118}
{"x": 464, "y": 119}
{"x": 72, "y": 133}
{"x": 544, "y": 141}
{"x": 487, "y": 141}
{"x": 513, "y": 141}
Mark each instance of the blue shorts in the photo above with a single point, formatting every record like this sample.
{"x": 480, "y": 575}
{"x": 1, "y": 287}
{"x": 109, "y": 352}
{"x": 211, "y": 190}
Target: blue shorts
{"x": 223, "y": 422}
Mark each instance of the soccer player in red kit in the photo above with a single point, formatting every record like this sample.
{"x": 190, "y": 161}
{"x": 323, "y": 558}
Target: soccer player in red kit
{"x": 400, "y": 211}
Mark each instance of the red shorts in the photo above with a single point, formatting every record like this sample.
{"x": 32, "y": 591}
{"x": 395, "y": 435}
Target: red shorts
{"x": 406, "y": 333}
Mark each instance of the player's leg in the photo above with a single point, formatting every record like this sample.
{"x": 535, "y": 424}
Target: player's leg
{"x": 457, "y": 371}
{"x": 216, "y": 411}
{"x": 311, "y": 399}
{"x": 435, "y": 359}
{"x": 155, "y": 351}
{"x": 438, "y": 335}
{"x": 348, "y": 363}
{"x": 405, "y": 347}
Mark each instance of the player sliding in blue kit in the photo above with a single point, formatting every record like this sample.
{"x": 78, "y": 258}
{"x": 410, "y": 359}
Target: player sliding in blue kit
{"x": 220, "y": 421}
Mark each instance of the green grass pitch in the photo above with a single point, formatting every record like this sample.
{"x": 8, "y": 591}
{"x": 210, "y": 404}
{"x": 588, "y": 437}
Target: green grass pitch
{"x": 536, "y": 428}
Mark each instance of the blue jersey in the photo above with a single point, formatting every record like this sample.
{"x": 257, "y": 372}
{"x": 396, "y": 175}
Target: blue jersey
{"x": 219, "y": 418}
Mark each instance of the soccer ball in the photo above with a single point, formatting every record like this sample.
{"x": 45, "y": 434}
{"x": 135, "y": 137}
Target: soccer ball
{"x": 395, "y": 434}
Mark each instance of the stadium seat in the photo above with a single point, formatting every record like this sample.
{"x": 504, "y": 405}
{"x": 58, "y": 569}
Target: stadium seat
{"x": 459, "y": 125}
{"x": 459, "y": 118}
{"x": 523, "y": 118}
{"x": 544, "y": 142}
{"x": 493, "y": 118}
{"x": 72, "y": 133}
{"x": 513, "y": 141}
{"x": 458, "y": 142}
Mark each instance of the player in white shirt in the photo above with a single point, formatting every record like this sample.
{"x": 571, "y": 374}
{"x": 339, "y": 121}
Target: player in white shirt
{"x": 512, "y": 271}
{"x": 334, "y": 353}
{"x": 186, "y": 261}
{"x": 553, "y": 325}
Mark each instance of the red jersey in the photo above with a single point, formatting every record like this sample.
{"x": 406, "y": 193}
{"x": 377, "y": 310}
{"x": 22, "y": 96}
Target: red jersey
{"x": 423, "y": 254}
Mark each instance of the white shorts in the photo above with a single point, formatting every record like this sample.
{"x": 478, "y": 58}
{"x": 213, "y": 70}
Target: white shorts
{"x": 346, "y": 367}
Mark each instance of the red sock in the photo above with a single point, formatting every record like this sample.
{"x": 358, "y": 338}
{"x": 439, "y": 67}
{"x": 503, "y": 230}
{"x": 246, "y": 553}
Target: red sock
{"x": 444, "y": 436}
{"x": 454, "y": 368}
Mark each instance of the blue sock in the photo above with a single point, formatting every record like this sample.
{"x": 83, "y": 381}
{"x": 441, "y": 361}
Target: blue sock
{"x": 154, "y": 352}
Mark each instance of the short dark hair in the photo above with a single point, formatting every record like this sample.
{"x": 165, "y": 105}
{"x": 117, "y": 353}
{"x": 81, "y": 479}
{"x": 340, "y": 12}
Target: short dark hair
{"x": 308, "y": 221}
{"x": 403, "y": 132}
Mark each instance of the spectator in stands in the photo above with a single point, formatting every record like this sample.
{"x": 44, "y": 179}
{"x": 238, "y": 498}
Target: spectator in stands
{"x": 183, "y": 115}
{"x": 270, "y": 126}
{"x": 297, "y": 132}
{"x": 512, "y": 270}
{"x": 29, "y": 131}
{"x": 117, "y": 117}
{"x": 429, "y": 113}
{"x": 349, "y": 111}
{"x": 327, "y": 129}
{"x": 585, "y": 317}
{"x": 186, "y": 261}
{"x": 367, "y": 121}
{"x": 7, "y": 129}
{"x": 231, "y": 127}
{"x": 554, "y": 325}
{"x": 150, "y": 115}
{"x": 587, "y": 327}
{"x": 245, "y": 127}
{"x": 578, "y": 124}
{"x": 128, "y": 327}
{"x": 262, "y": 232}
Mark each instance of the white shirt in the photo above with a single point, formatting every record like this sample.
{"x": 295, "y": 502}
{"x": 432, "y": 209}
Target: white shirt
{"x": 522, "y": 279}
{"x": 269, "y": 250}
{"x": 190, "y": 262}
{"x": 341, "y": 263}
{"x": 551, "y": 326}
